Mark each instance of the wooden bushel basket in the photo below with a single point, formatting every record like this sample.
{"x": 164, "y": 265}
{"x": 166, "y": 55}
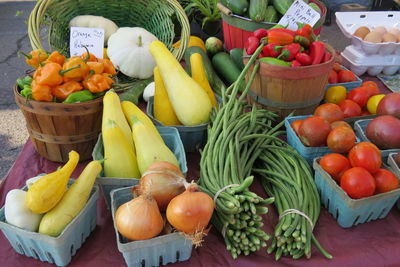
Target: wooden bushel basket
{"x": 57, "y": 128}
{"x": 286, "y": 89}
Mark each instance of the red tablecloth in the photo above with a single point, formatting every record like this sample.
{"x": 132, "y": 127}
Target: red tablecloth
{"x": 376, "y": 243}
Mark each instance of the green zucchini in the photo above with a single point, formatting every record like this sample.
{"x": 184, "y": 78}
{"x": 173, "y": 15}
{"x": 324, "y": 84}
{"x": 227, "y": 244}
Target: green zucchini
{"x": 236, "y": 6}
{"x": 271, "y": 15}
{"x": 212, "y": 77}
{"x": 226, "y": 67}
{"x": 237, "y": 57}
{"x": 258, "y": 9}
{"x": 282, "y": 5}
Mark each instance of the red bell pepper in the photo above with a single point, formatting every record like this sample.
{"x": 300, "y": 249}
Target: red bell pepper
{"x": 290, "y": 51}
{"x": 327, "y": 56}
{"x": 295, "y": 63}
{"x": 317, "y": 51}
{"x": 288, "y": 31}
{"x": 304, "y": 30}
{"x": 260, "y": 33}
{"x": 304, "y": 59}
{"x": 279, "y": 37}
{"x": 251, "y": 45}
{"x": 271, "y": 50}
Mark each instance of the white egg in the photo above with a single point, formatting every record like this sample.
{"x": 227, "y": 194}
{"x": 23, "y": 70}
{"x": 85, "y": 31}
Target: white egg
{"x": 394, "y": 31}
{"x": 380, "y": 29}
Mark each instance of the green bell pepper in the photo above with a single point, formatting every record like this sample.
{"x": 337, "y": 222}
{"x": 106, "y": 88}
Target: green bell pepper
{"x": 80, "y": 96}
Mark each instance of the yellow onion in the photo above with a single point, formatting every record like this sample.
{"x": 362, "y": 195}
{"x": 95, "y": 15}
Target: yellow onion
{"x": 191, "y": 211}
{"x": 163, "y": 181}
{"x": 139, "y": 218}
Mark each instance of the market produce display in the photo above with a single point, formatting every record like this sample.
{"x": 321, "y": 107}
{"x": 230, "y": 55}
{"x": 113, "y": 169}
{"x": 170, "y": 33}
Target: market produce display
{"x": 242, "y": 142}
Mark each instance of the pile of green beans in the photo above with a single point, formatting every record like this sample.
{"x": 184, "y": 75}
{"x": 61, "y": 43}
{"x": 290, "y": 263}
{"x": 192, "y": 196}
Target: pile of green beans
{"x": 286, "y": 175}
{"x": 226, "y": 163}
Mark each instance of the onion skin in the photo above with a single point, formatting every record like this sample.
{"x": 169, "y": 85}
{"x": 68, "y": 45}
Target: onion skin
{"x": 163, "y": 181}
{"x": 139, "y": 219}
{"x": 190, "y": 211}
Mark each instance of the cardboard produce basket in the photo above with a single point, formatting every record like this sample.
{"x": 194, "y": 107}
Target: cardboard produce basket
{"x": 347, "y": 211}
{"x": 156, "y": 251}
{"x": 56, "y": 250}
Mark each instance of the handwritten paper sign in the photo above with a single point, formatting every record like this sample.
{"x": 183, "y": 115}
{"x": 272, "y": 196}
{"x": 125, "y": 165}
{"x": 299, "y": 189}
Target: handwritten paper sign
{"x": 299, "y": 11}
{"x": 92, "y": 38}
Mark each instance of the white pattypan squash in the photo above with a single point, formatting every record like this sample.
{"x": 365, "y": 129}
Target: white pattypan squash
{"x": 95, "y": 22}
{"x": 128, "y": 50}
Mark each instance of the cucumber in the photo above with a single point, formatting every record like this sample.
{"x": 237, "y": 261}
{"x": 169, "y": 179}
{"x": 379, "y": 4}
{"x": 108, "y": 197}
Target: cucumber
{"x": 271, "y": 15}
{"x": 282, "y": 5}
{"x": 237, "y": 57}
{"x": 226, "y": 67}
{"x": 258, "y": 9}
{"x": 236, "y": 6}
{"x": 212, "y": 77}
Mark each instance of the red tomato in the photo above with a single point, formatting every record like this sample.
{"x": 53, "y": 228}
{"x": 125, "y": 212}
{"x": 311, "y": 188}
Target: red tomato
{"x": 296, "y": 126}
{"x": 366, "y": 155}
{"x": 350, "y": 108}
{"x": 385, "y": 181}
{"x": 333, "y": 77}
{"x": 341, "y": 139}
{"x": 330, "y": 112}
{"x": 359, "y": 95}
{"x": 336, "y": 124}
{"x": 357, "y": 182}
{"x": 314, "y": 130}
{"x": 335, "y": 164}
{"x": 345, "y": 76}
{"x": 372, "y": 87}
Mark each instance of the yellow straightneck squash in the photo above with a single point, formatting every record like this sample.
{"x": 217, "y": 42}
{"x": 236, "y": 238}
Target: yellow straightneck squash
{"x": 46, "y": 192}
{"x": 130, "y": 110}
{"x": 163, "y": 110}
{"x": 199, "y": 75}
{"x": 191, "y": 103}
{"x": 112, "y": 110}
{"x": 73, "y": 201}
{"x": 149, "y": 148}
{"x": 119, "y": 158}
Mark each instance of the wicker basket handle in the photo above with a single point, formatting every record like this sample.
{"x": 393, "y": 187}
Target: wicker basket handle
{"x": 38, "y": 12}
{"x": 224, "y": 9}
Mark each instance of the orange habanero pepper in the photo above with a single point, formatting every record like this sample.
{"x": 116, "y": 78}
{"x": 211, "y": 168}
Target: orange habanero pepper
{"x": 97, "y": 67}
{"x": 56, "y": 57}
{"x": 41, "y": 92}
{"x": 97, "y": 83}
{"x": 90, "y": 58}
{"x": 108, "y": 66}
{"x": 35, "y": 57}
{"x": 62, "y": 91}
{"x": 79, "y": 73}
{"x": 50, "y": 74}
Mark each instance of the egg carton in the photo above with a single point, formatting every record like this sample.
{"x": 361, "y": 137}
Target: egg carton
{"x": 359, "y": 62}
{"x": 349, "y": 22}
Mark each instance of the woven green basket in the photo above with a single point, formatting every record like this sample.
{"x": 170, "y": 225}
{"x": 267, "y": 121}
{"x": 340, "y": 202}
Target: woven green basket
{"x": 156, "y": 16}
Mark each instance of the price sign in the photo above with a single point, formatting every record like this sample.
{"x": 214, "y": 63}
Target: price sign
{"x": 299, "y": 11}
{"x": 92, "y": 38}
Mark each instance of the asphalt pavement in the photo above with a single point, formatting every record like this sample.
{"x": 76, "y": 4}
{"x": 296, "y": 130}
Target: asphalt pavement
{"x": 14, "y": 38}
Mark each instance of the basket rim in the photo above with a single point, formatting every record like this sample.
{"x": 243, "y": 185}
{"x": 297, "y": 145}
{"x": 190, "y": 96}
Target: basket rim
{"x": 37, "y": 15}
